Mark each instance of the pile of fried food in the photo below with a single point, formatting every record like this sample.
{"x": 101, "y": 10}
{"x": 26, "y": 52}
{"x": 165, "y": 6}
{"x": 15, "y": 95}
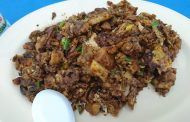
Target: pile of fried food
{"x": 100, "y": 60}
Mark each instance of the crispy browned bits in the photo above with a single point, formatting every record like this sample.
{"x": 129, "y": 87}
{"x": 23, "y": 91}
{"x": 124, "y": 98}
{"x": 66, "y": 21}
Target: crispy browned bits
{"x": 100, "y": 60}
{"x": 17, "y": 80}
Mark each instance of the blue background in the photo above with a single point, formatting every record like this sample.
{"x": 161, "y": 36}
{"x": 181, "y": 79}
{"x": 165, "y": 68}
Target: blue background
{"x": 13, "y": 10}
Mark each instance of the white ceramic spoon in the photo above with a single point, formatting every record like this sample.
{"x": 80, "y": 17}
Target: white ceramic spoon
{"x": 52, "y": 106}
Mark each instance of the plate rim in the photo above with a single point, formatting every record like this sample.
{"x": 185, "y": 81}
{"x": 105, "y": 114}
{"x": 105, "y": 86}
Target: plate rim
{"x": 38, "y": 10}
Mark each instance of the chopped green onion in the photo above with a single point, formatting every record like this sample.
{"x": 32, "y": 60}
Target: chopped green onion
{"x": 61, "y": 24}
{"x": 65, "y": 43}
{"x": 141, "y": 71}
{"x": 82, "y": 51}
{"x": 80, "y": 108}
{"x": 38, "y": 84}
{"x": 155, "y": 24}
{"x": 79, "y": 49}
{"x": 128, "y": 59}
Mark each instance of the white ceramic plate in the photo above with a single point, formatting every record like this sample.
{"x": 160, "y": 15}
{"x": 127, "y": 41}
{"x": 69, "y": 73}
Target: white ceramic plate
{"x": 150, "y": 106}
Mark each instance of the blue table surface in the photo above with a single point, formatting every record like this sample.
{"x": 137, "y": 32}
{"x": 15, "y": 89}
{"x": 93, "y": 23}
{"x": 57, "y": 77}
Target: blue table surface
{"x": 13, "y": 10}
